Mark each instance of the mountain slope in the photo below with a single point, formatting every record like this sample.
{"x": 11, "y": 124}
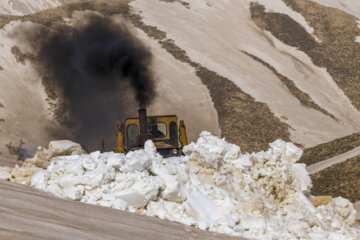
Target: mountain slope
{"x": 259, "y": 72}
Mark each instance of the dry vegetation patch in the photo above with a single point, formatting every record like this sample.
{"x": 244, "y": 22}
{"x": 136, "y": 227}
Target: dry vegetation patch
{"x": 342, "y": 179}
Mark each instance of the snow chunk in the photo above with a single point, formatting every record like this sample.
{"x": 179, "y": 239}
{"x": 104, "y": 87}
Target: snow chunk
{"x": 202, "y": 208}
{"x": 138, "y": 160}
{"x": 210, "y": 151}
{"x": 56, "y": 148}
{"x": 5, "y": 173}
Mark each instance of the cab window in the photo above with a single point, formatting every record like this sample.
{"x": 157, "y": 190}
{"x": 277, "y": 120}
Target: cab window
{"x": 157, "y": 130}
{"x": 132, "y": 131}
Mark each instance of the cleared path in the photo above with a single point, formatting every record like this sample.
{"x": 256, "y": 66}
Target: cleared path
{"x": 334, "y": 160}
{"x": 26, "y": 213}
{"x": 5, "y": 162}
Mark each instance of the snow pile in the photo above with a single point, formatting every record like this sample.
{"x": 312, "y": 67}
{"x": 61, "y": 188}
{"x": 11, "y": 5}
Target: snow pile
{"x": 263, "y": 195}
{"x": 56, "y": 148}
{"x": 41, "y": 159}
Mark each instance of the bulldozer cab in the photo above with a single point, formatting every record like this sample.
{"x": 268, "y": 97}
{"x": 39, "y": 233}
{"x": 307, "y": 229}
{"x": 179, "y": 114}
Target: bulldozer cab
{"x": 167, "y": 134}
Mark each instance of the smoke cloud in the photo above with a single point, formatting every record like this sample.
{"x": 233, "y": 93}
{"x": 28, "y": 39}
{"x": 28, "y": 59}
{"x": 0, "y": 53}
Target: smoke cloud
{"x": 97, "y": 71}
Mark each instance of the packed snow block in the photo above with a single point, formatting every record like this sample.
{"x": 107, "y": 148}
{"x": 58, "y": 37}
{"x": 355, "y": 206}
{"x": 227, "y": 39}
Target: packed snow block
{"x": 150, "y": 148}
{"x": 344, "y": 208}
{"x": 297, "y": 228}
{"x": 120, "y": 204}
{"x": 211, "y": 151}
{"x": 74, "y": 192}
{"x": 285, "y": 150}
{"x": 202, "y": 208}
{"x": 138, "y": 160}
{"x": 301, "y": 178}
{"x": 253, "y": 225}
{"x": 56, "y": 148}
{"x": 98, "y": 177}
{"x": 173, "y": 187}
{"x": 5, "y": 173}
{"x": 243, "y": 162}
{"x": 23, "y": 174}
{"x": 40, "y": 179}
{"x": 136, "y": 191}
{"x": 115, "y": 160}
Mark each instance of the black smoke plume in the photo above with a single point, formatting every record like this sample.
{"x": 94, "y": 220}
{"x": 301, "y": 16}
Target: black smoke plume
{"x": 97, "y": 70}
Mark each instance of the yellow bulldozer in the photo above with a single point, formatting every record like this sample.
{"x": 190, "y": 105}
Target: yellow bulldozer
{"x": 168, "y": 135}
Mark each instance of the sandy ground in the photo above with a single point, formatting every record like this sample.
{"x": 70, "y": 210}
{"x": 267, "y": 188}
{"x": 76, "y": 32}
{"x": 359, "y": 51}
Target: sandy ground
{"x": 27, "y": 213}
{"x": 334, "y": 160}
{"x": 220, "y": 40}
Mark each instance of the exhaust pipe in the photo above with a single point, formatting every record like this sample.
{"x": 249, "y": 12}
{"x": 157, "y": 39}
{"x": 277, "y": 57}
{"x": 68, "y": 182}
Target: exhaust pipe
{"x": 144, "y": 135}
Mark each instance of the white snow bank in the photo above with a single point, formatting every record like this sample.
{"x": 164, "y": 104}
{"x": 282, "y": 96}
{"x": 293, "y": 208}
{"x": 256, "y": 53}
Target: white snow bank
{"x": 214, "y": 186}
{"x": 56, "y": 148}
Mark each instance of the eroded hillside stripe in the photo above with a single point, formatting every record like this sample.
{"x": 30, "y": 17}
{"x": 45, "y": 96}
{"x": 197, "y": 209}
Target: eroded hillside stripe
{"x": 242, "y": 119}
{"x": 337, "y": 52}
{"x": 303, "y": 97}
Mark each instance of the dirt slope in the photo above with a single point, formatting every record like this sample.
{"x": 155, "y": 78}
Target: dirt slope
{"x": 27, "y": 213}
